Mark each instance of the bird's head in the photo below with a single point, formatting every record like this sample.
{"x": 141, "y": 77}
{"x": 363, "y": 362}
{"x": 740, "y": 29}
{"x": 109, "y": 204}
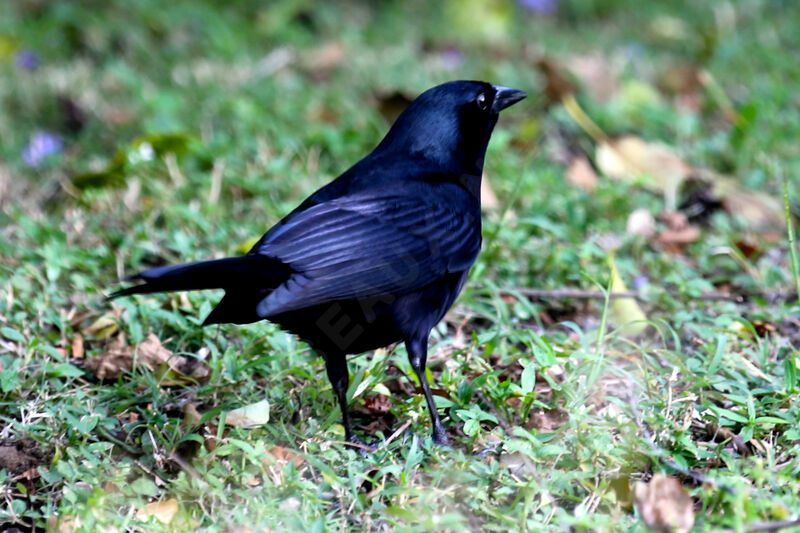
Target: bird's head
{"x": 450, "y": 124}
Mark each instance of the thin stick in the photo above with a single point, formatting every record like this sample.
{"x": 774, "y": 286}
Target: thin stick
{"x": 580, "y": 294}
{"x": 396, "y": 433}
{"x": 354, "y": 445}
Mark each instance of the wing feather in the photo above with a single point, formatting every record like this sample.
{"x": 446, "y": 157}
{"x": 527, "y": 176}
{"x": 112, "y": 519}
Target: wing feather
{"x": 362, "y": 247}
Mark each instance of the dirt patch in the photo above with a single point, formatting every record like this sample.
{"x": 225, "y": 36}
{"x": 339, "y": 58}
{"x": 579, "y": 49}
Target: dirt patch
{"x": 21, "y": 456}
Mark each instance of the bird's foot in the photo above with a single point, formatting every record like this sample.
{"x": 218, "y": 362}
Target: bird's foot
{"x": 440, "y": 437}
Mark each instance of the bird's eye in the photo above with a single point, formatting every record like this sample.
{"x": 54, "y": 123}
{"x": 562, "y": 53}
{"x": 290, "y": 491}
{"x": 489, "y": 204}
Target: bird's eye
{"x": 482, "y": 101}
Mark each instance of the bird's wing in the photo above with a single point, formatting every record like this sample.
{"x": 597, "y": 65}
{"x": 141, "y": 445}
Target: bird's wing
{"x": 363, "y": 246}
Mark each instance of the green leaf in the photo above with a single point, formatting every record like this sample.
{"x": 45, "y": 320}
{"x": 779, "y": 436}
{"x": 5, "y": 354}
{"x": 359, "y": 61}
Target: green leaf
{"x": 12, "y": 335}
{"x": 528, "y": 379}
{"x": 790, "y": 373}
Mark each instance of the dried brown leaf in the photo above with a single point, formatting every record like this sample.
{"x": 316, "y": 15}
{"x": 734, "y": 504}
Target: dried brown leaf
{"x": 150, "y": 353}
{"x": 282, "y": 456}
{"x": 678, "y": 232}
{"x": 655, "y": 165}
{"x": 377, "y": 404}
{"x": 547, "y": 420}
{"x": 581, "y": 174}
{"x": 191, "y": 416}
{"x": 77, "y": 346}
{"x": 664, "y": 505}
{"x": 322, "y": 60}
{"x": 557, "y": 85}
{"x": 598, "y": 75}
{"x": 163, "y": 511}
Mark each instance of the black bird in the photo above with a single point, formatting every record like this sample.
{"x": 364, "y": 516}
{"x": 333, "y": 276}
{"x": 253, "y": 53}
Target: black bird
{"x": 376, "y": 256}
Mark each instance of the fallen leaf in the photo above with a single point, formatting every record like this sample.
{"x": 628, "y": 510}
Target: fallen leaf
{"x": 191, "y": 416}
{"x": 557, "y": 85}
{"x": 377, "y": 404}
{"x": 547, "y": 420}
{"x": 581, "y": 174}
{"x": 758, "y": 209}
{"x": 598, "y": 75}
{"x": 150, "y": 353}
{"x": 103, "y": 327}
{"x": 518, "y": 464}
{"x": 249, "y": 416}
{"x": 77, "y": 346}
{"x": 282, "y": 456}
{"x": 655, "y": 165}
{"x": 625, "y": 312}
{"x": 163, "y": 511}
{"x": 64, "y": 524}
{"x": 678, "y": 232}
{"x": 321, "y": 61}
{"x": 720, "y": 433}
{"x": 664, "y": 504}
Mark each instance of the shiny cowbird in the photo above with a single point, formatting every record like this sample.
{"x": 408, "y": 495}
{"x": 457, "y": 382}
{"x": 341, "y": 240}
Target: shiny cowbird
{"x": 374, "y": 257}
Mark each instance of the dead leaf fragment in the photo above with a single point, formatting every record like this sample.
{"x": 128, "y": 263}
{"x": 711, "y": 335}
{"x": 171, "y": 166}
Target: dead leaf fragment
{"x": 655, "y": 165}
{"x": 581, "y": 174}
{"x": 102, "y": 328}
{"x": 282, "y": 456}
{"x": 77, "y": 346}
{"x": 598, "y": 75}
{"x": 557, "y": 85}
{"x": 758, "y": 209}
{"x": 151, "y": 354}
{"x": 547, "y": 420}
{"x": 664, "y": 505}
{"x": 163, "y": 511}
{"x": 249, "y": 416}
{"x": 324, "y": 59}
{"x": 678, "y": 232}
{"x": 625, "y": 312}
{"x": 191, "y": 416}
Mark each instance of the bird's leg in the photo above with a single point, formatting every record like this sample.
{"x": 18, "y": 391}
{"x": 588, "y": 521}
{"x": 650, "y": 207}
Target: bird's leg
{"x": 336, "y": 366}
{"x": 417, "y": 348}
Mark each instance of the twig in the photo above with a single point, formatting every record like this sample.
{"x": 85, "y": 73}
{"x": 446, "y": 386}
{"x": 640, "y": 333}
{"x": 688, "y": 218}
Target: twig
{"x": 579, "y": 294}
{"x": 397, "y": 432}
{"x": 769, "y": 526}
{"x": 354, "y": 445}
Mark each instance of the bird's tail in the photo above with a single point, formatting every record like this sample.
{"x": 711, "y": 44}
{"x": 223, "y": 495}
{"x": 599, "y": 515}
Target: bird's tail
{"x": 229, "y": 273}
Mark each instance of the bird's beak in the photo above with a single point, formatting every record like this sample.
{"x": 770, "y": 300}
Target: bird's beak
{"x": 505, "y": 97}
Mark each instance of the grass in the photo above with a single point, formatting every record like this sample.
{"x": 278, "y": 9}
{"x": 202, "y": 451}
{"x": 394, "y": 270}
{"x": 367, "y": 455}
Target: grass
{"x": 188, "y": 130}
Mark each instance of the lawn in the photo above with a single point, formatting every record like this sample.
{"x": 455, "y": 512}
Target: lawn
{"x": 655, "y": 160}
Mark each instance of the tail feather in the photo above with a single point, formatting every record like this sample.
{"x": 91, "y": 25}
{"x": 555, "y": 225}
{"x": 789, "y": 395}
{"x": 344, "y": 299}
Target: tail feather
{"x": 247, "y": 272}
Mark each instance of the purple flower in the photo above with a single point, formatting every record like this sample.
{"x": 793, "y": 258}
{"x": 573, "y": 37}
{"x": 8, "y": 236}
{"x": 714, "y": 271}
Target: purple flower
{"x": 27, "y": 59}
{"x": 640, "y": 282}
{"x": 542, "y": 7}
{"x": 42, "y": 145}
